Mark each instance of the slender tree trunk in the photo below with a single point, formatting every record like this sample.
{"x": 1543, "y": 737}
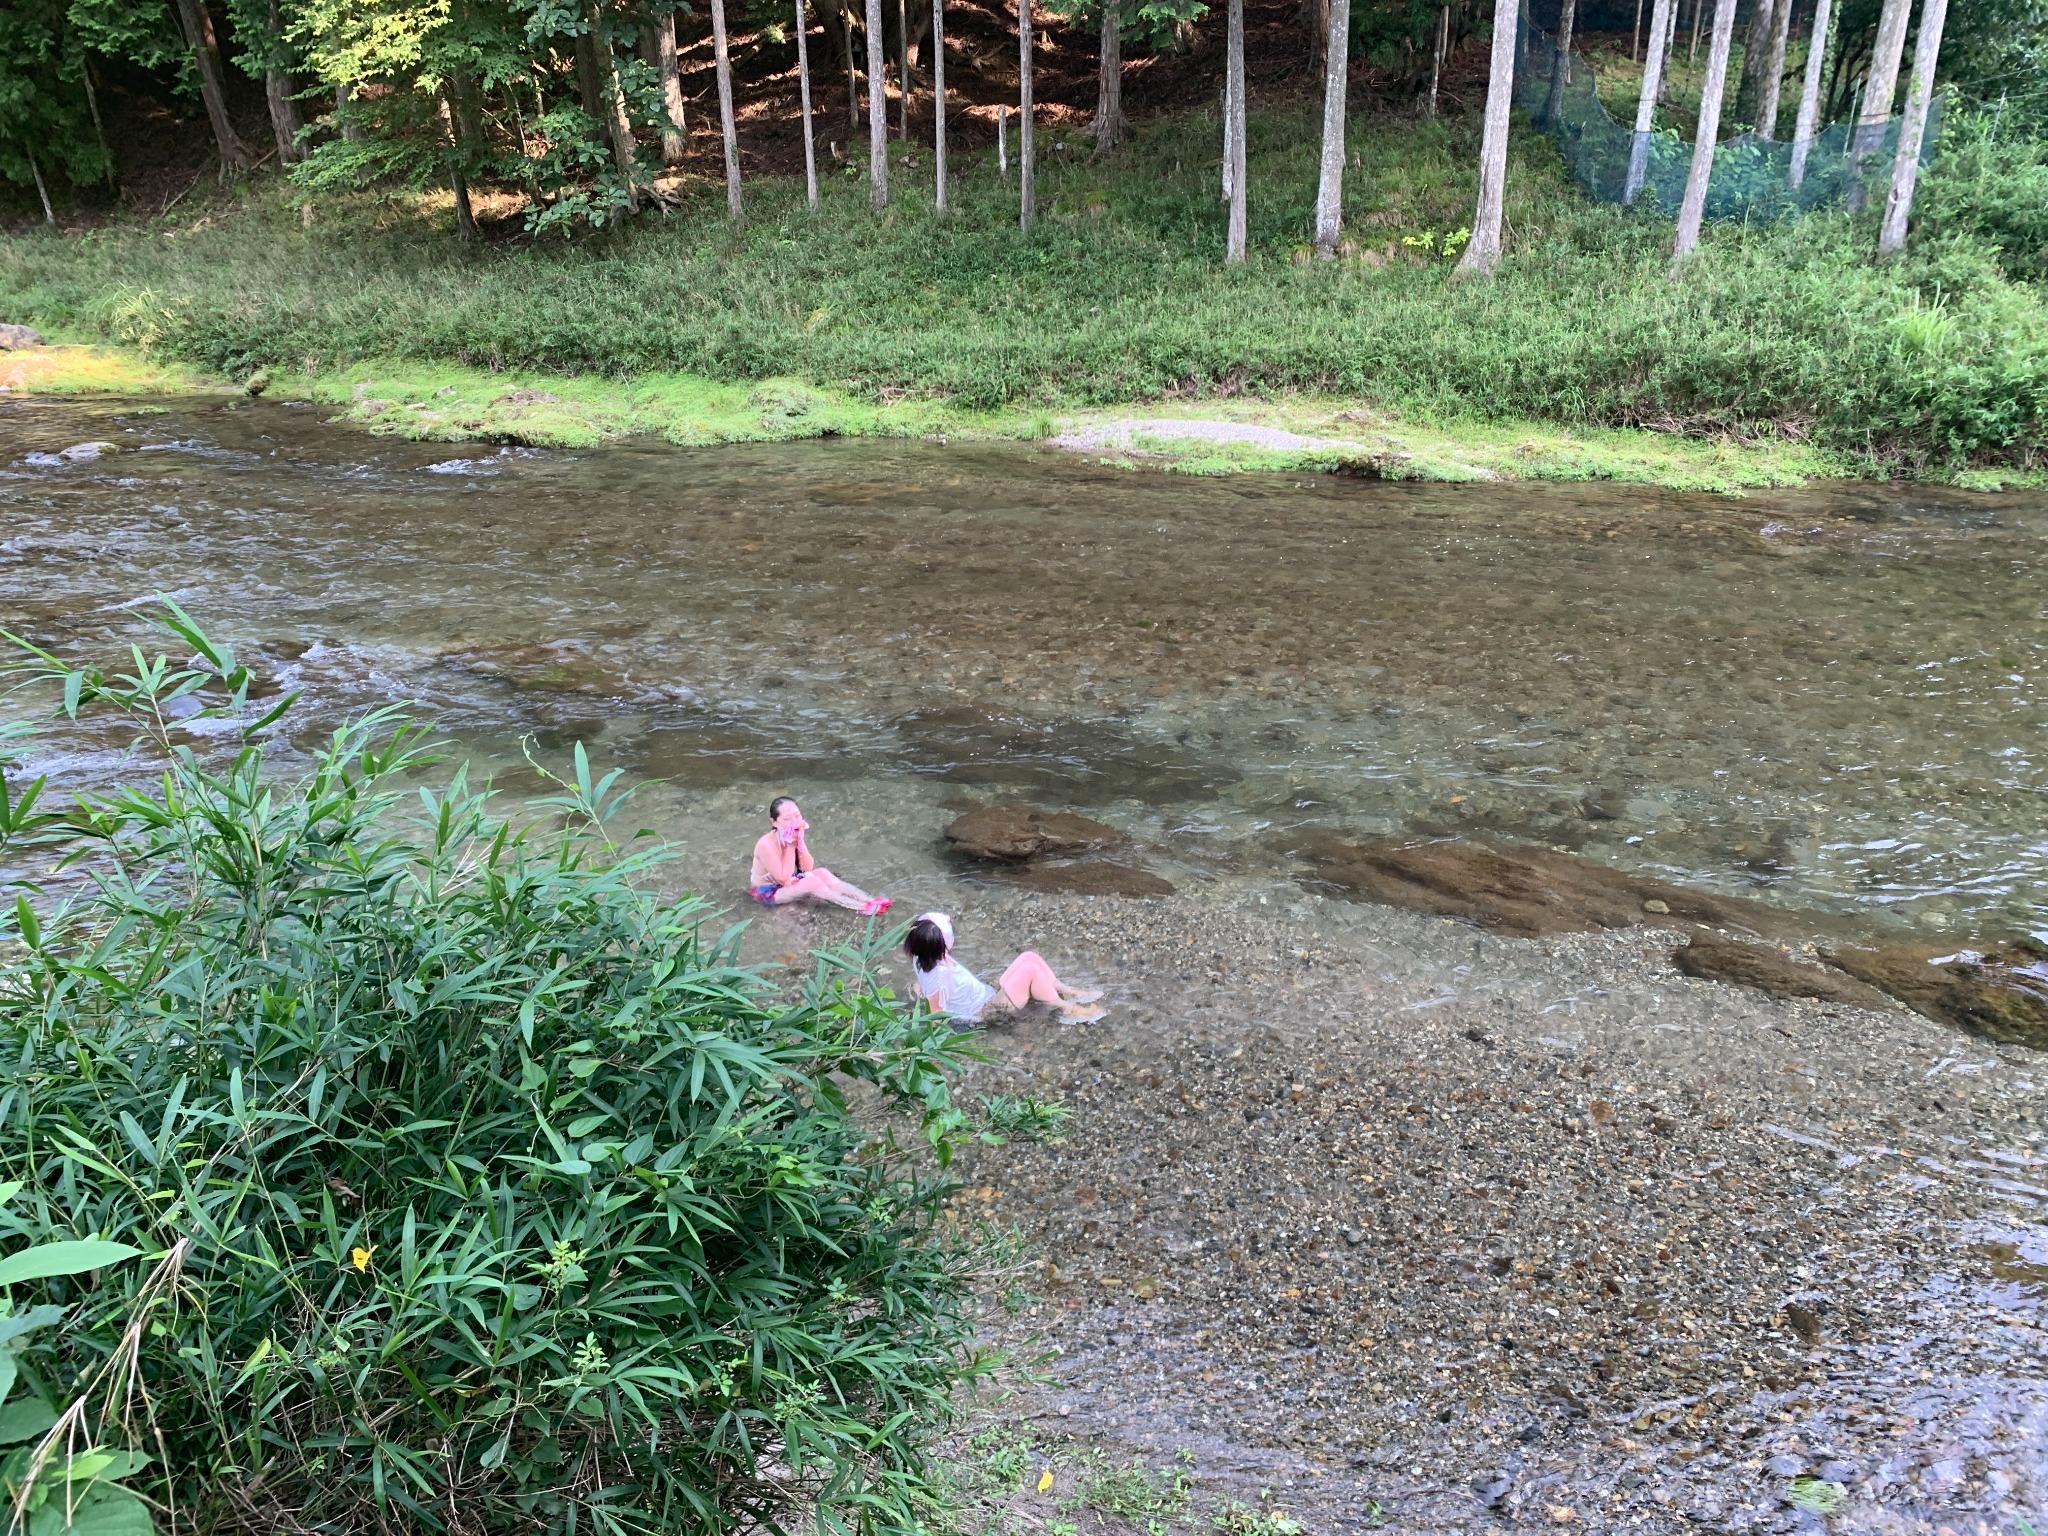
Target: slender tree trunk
{"x": 903, "y": 60}
{"x": 1234, "y": 240}
{"x": 1003, "y": 143}
{"x": 527, "y": 172}
{"x": 1561, "y": 60}
{"x": 726, "y": 125}
{"x": 458, "y": 180}
{"x": 803, "y": 80}
{"x": 939, "y": 105}
{"x": 1635, "y": 37}
{"x": 1808, "y": 121}
{"x": 1027, "y": 181}
{"x": 1482, "y": 251}
{"x": 92, "y": 101}
{"x": 658, "y": 47}
{"x": 1878, "y": 87}
{"x": 1670, "y": 52}
{"x": 284, "y": 116}
{"x": 1646, "y": 110}
{"x": 277, "y": 92}
{"x": 840, "y": 26}
{"x": 351, "y": 133}
{"x": 611, "y": 100}
{"x": 1109, "y": 80}
{"x": 589, "y": 87}
{"x": 1330, "y": 180}
{"x": 878, "y": 109}
{"x": 1756, "y": 57}
{"x": 1315, "y": 15}
{"x": 198, "y": 28}
{"x": 1898, "y": 208}
{"x": 1774, "y": 73}
{"x": 1436, "y": 57}
{"x": 43, "y": 192}
{"x": 1692, "y": 50}
{"x": 1839, "y": 98}
{"x": 1229, "y": 121}
{"x": 1694, "y": 209}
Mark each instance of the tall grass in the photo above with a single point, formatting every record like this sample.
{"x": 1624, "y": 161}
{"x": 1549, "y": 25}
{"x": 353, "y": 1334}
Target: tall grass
{"x": 503, "y": 1199}
{"x": 1120, "y": 295}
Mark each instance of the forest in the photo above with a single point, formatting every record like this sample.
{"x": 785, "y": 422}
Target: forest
{"x": 994, "y": 210}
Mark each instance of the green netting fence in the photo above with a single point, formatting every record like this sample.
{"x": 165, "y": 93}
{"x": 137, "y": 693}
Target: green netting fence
{"x": 1752, "y": 174}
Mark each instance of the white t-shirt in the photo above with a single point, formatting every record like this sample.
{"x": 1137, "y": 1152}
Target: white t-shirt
{"x": 953, "y": 989}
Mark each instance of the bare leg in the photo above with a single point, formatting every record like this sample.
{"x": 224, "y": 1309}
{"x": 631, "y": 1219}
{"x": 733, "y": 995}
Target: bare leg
{"x": 1029, "y": 979}
{"x": 823, "y": 885}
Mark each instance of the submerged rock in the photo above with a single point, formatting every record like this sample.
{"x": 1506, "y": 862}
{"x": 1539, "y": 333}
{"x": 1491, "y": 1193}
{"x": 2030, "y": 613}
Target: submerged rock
{"x": 1016, "y": 832}
{"x": 1087, "y": 878}
{"x": 85, "y": 453}
{"x": 1522, "y": 892}
{"x": 13, "y": 338}
{"x": 2000, "y": 993}
{"x": 1041, "y": 850}
{"x": 1770, "y": 971}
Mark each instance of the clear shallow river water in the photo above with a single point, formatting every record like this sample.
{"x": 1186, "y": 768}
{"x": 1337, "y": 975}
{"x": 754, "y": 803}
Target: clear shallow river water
{"x": 1835, "y": 700}
{"x": 1831, "y": 700}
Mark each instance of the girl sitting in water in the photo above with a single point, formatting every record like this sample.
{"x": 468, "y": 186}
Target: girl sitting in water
{"x": 784, "y": 870}
{"x": 950, "y": 988}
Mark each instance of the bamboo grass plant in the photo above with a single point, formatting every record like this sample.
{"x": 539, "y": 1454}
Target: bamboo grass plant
{"x": 508, "y": 1200}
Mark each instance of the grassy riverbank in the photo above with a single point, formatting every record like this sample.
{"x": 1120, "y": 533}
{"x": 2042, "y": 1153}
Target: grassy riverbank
{"x": 1783, "y": 354}
{"x": 1290, "y": 432}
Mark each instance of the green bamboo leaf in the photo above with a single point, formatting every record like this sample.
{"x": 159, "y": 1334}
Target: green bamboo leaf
{"x": 49, "y": 1260}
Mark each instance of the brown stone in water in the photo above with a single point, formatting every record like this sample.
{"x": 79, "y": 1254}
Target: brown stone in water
{"x": 14, "y": 338}
{"x": 1804, "y": 1321}
{"x": 2000, "y": 993}
{"x": 1085, "y": 879}
{"x": 1523, "y": 892}
{"x": 1016, "y": 832}
{"x": 1767, "y": 970}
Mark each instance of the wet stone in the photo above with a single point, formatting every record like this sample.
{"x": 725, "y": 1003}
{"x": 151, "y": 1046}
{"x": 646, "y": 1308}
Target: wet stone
{"x": 1771, "y": 972}
{"x": 14, "y": 338}
{"x": 1017, "y": 832}
{"x": 1521, "y": 891}
{"x": 2000, "y": 993}
{"x": 1085, "y": 878}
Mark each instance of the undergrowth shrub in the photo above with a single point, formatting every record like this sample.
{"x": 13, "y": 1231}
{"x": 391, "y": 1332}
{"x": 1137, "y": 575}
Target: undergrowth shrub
{"x": 493, "y": 1194}
{"x": 1120, "y": 295}
{"x": 1990, "y": 183}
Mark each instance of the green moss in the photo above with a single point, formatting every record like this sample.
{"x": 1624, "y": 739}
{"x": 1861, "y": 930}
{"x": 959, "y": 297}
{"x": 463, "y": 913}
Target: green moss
{"x": 88, "y": 370}
{"x": 447, "y": 402}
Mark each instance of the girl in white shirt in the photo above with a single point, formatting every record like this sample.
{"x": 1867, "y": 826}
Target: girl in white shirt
{"x": 950, "y": 988}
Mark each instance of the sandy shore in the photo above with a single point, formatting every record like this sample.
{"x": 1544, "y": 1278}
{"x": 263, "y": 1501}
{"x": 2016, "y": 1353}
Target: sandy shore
{"x": 1364, "y": 1209}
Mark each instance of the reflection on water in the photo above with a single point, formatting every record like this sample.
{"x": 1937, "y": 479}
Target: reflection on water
{"x": 1833, "y": 699}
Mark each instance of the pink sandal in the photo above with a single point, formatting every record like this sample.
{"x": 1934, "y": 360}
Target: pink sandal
{"x": 877, "y": 906}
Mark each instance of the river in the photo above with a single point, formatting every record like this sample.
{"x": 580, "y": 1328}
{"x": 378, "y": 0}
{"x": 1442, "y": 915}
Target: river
{"x": 1336, "y": 1155}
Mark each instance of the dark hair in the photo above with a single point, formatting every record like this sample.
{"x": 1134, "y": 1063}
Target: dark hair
{"x": 925, "y": 943}
{"x": 775, "y": 806}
